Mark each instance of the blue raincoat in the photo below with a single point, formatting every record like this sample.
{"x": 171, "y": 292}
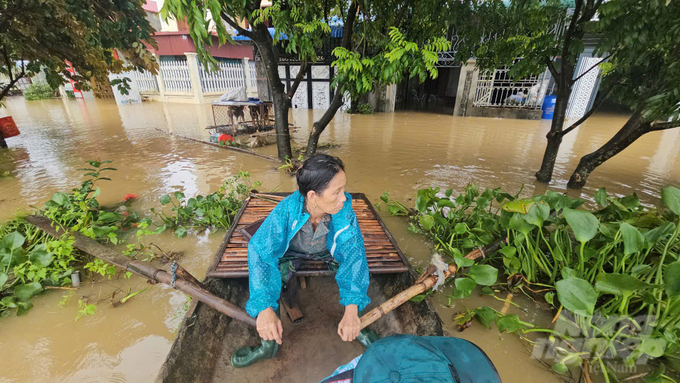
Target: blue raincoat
{"x": 345, "y": 243}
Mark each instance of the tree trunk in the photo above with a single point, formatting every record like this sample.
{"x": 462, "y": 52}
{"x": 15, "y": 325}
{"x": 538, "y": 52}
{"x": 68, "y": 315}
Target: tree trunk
{"x": 265, "y": 45}
{"x": 319, "y": 126}
{"x": 554, "y": 137}
{"x": 634, "y": 128}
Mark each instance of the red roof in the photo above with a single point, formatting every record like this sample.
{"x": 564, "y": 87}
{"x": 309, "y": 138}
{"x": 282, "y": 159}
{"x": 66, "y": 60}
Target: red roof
{"x": 150, "y": 6}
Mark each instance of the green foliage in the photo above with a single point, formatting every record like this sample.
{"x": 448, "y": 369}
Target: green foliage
{"x": 364, "y": 108}
{"x": 619, "y": 261}
{"x": 38, "y": 91}
{"x": 214, "y": 210}
{"x": 30, "y": 259}
{"x": 85, "y": 309}
{"x": 44, "y": 34}
{"x": 643, "y": 69}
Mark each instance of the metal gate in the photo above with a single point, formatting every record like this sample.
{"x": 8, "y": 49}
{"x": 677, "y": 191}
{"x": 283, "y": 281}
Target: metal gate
{"x": 314, "y": 91}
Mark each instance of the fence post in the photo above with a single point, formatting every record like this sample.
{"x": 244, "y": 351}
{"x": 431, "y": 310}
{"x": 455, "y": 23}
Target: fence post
{"x": 194, "y": 75}
{"x": 160, "y": 80}
{"x": 246, "y": 71}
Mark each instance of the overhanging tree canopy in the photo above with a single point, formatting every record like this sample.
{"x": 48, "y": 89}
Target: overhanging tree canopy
{"x": 41, "y": 34}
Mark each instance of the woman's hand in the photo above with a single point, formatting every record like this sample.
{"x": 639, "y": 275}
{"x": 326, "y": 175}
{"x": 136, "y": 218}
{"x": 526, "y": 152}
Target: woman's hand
{"x": 350, "y": 325}
{"x": 269, "y": 325}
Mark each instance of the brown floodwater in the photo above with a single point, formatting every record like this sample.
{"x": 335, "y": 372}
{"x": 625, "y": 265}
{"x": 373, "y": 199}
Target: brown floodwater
{"x": 397, "y": 153}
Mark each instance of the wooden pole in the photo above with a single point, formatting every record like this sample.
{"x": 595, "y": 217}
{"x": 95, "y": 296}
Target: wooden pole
{"x": 143, "y": 269}
{"x": 421, "y": 286}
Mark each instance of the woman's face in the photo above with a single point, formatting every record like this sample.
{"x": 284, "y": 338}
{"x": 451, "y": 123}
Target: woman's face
{"x": 331, "y": 200}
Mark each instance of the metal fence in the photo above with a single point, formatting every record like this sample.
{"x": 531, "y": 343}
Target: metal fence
{"x": 176, "y": 76}
{"x": 497, "y": 89}
{"x": 229, "y": 76}
{"x": 146, "y": 81}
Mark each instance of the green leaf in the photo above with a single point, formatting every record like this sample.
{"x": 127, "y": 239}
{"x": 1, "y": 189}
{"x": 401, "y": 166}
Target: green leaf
{"x": 460, "y": 228}
{"x": 59, "y": 198}
{"x": 583, "y": 223}
{"x": 560, "y": 368}
{"x": 577, "y": 296}
{"x": 40, "y": 256}
{"x": 27, "y": 291}
{"x": 426, "y": 221}
{"x": 670, "y": 196}
{"x": 508, "y": 251}
{"x": 464, "y": 287}
{"x": 630, "y": 201}
{"x": 518, "y": 223}
{"x": 107, "y": 217}
{"x": 445, "y": 203}
{"x": 3, "y": 279}
{"x": 486, "y": 290}
{"x": 671, "y": 278}
{"x": 601, "y": 197}
{"x": 508, "y": 323}
{"x": 13, "y": 241}
{"x": 449, "y": 192}
{"x": 568, "y": 272}
{"x": 486, "y": 316}
{"x": 518, "y": 206}
{"x": 484, "y": 275}
{"x": 655, "y": 235}
{"x": 165, "y": 199}
{"x": 633, "y": 240}
{"x": 23, "y": 308}
{"x": 537, "y": 214}
{"x": 181, "y": 232}
{"x": 619, "y": 284}
{"x": 654, "y": 347}
{"x": 418, "y": 298}
{"x": 550, "y": 297}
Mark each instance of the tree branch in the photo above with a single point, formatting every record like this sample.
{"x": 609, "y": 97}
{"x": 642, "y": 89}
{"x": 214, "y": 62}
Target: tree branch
{"x": 598, "y": 102}
{"x": 8, "y": 63}
{"x": 664, "y": 125}
{"x": 570, "y": 31}
{"x": 298, "y": 79}
{"x": 551, "y": 67}
{"x": 235, "y": 25}
{"x": 589, "y": 69}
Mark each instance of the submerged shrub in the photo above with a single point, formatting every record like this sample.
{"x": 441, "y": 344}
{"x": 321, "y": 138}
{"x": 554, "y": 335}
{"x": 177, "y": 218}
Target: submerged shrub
{"x": 38, "y": 91}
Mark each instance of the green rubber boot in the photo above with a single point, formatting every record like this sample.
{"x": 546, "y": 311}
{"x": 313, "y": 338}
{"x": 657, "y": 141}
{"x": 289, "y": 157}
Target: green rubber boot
{"x": 247, "y": 355}
{"x": 367, "y": 337}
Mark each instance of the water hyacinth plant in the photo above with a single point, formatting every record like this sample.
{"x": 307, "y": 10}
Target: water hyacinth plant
{"x": 612, "y": 268}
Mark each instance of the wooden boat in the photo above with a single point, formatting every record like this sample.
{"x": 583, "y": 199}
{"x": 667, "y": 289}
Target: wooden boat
{"x": 311, "y": 350}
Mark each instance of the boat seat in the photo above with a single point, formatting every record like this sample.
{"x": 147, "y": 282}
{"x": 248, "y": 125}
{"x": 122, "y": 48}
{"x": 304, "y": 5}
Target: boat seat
{"x": 382, "y": 251}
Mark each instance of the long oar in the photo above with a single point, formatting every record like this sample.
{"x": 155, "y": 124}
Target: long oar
{"x": 424, "y": 283}
{"x": 188, "y": 286}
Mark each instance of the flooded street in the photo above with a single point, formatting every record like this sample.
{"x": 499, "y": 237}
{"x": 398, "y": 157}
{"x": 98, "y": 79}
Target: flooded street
{"x": 398, "y": 153}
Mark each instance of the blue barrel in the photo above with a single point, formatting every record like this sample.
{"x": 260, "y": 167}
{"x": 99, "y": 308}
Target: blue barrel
{"x": 548, "y": 107}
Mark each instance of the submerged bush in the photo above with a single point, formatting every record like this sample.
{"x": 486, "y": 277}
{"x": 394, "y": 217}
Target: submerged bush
{"x": 38, "y": 91}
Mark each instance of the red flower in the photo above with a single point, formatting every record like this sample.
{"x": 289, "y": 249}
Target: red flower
{"x": 225, "y": 137}
{"x": 130, "y": 197}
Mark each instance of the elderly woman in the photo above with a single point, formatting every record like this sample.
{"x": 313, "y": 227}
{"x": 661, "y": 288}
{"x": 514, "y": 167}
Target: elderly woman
{"x": 317, "y": 222}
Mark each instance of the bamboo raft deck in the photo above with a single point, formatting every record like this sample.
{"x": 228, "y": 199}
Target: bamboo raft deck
{"x": 382, "y": 251}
